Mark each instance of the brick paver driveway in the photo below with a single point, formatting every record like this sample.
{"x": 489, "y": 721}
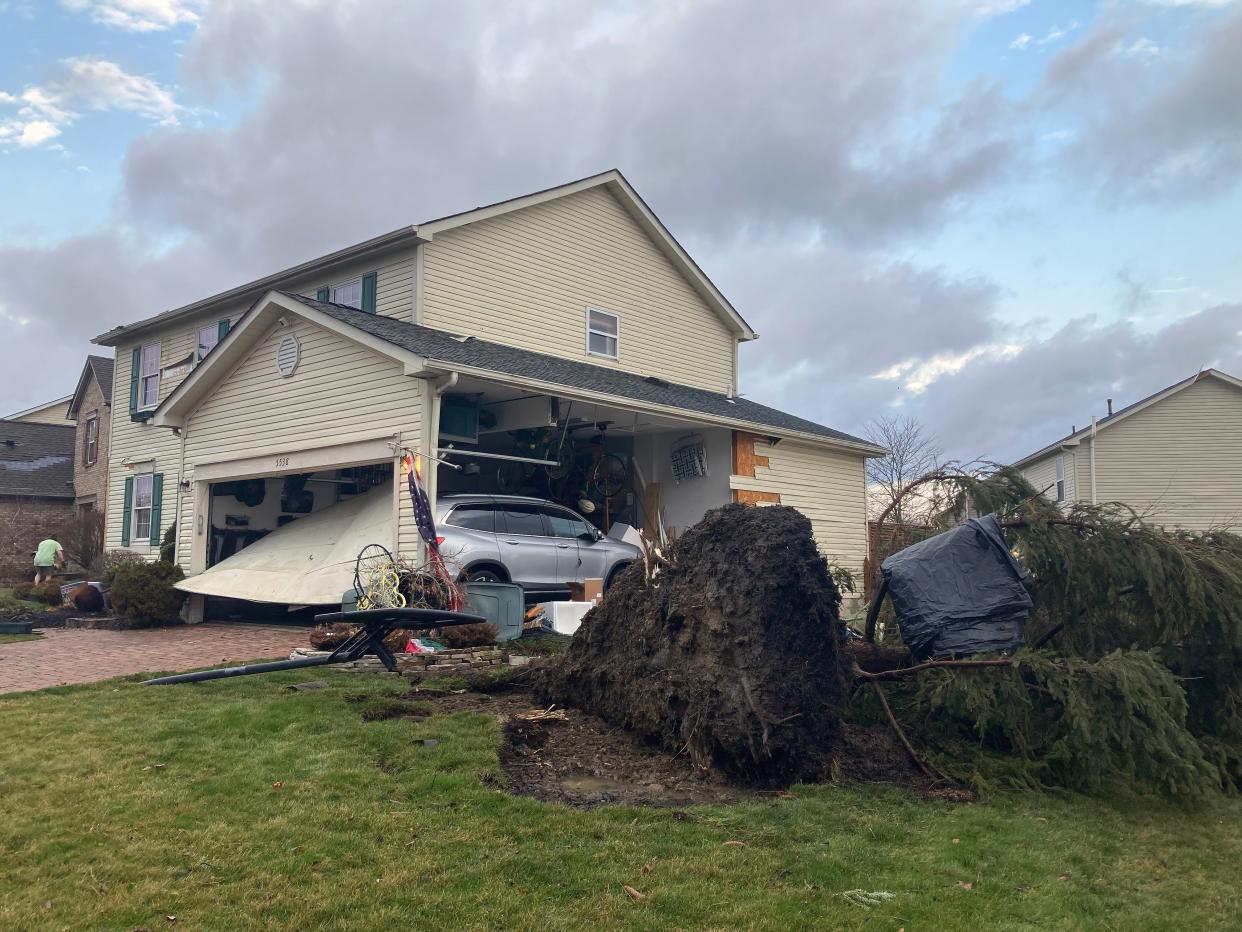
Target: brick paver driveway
{"x": 63, "y": 656}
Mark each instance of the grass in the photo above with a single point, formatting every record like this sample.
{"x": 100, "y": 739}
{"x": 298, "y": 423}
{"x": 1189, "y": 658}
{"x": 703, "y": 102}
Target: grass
{"x": 14, "y": 638}
{"x": 240, "y": 805}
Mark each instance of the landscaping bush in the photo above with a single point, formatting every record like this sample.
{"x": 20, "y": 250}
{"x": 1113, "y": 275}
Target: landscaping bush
{"x": 82, "y": 537}
{"x": 47, "y": 592}
{"x": 111, "y": 562}
{"x": 461, "y": 636}
{"x": 143, "y": 594}
{"x": 168, "y": 546}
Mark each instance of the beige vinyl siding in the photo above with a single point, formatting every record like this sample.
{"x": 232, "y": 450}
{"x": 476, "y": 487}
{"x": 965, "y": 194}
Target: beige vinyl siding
{"x": 394, "y": 283}
{"x": 527, "y": 278}
{"x": 826, "y": 486}
{"x": 340, "y": 393}
{"x": 133, "y": 441}
{"x": 1043, "y": 475}
{"x": 1180, "y": 460}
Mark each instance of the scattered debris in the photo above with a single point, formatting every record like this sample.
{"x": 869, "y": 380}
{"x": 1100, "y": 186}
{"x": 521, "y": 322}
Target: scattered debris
{"x": 632, "y": 893}
{"x": 299, "y": 687}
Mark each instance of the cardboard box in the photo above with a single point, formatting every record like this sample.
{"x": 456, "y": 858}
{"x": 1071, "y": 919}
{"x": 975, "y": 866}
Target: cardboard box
{"x": 592, "y": 590}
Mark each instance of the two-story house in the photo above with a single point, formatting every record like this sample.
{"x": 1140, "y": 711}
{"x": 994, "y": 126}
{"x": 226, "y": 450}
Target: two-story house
{"x": 1175, "y": 457}
{"x": 488, "y": 341}
{"x": 90, "y": 408}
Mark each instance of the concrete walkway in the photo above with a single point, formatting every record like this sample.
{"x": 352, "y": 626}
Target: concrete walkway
{"x": 63, "y": 656}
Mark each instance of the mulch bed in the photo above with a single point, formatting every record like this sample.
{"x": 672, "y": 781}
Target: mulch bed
{"x": 583, "y": 761}
{"x": 54, "y": 618}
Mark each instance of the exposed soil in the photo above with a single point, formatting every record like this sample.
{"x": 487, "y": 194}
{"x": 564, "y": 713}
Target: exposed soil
{"x": 583, "y": 761}
{"x": 731, "y": 655}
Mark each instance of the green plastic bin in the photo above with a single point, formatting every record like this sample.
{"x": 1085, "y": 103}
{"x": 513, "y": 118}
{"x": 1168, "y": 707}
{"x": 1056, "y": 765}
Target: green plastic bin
{"x": 501, "y": 604}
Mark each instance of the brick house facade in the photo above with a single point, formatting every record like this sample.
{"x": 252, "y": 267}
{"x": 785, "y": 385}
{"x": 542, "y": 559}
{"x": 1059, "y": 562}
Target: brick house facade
{"x": 91, "y": 408}
{"x": 36, "y": 490}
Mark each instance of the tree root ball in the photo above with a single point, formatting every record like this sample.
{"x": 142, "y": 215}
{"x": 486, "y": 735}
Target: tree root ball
{"x": 731, "y": 655}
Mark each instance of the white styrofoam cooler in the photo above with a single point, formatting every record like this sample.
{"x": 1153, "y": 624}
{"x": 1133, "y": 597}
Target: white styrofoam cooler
{"x": 564, "y": 617}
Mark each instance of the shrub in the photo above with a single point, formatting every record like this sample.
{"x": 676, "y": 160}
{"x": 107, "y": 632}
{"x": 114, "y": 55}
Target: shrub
{"x": 168, "y": 546}
{"x": 460, "y": 636}
{"x": 143, "y": 594}
{"x": 112, "y": 561}
{"x": 47, "y": 592}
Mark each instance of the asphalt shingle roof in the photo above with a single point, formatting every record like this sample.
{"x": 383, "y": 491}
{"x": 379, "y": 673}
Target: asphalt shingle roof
{"x": 103, "y": 367}
{"x": 36, "y": 460}
{"x": 447, "y": 347}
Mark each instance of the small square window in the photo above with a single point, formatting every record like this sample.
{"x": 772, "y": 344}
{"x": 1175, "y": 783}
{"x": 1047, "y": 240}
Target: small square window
{"x": 348, "y": 293}
{"x": 603, "y": 333}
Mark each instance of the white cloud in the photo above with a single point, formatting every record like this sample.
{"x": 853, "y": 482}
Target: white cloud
{"x": 139, "y": 15}
{"x": 989, "y": 8}
{"x": 1139, "y": 48}
{"x": 1022, "y": 41}
{"x": 1057, "y": 33}
{"x": 916, "y": 375}
{"x": 82, "y": 83}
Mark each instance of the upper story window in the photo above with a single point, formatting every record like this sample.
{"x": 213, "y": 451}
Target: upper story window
{"x": 149, "y": 377}
{"x": 603, "y": 333}
{"x": 1060, "y": 477}
{"x": 348, "y": 293}
{"x": 208, "y": 337}
{"x": 90, "y": 451}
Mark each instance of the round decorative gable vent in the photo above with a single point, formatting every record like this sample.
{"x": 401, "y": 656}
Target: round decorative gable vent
{"x": 287, "y": 355}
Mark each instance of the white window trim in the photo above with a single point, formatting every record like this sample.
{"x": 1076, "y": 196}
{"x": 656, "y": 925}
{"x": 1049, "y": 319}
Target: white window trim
{"x": 134, "y": 536}
{"x": 142, "y": 379}
{"x": 356, "y": 280}
{"x": 589, "y": 331}
{"x": 1059, "y": 466}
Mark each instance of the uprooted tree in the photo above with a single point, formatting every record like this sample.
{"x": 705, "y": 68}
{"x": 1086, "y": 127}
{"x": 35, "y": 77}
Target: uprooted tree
{"x": 1134, "y": 665}
{"x": 726, "y": 649}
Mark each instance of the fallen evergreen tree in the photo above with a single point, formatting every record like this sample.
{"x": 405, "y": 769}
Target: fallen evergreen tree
{"x": 1133, "y": 673}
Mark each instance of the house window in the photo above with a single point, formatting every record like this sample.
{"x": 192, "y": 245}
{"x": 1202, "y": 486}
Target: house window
{"x": 149, "y": 377}
{"x": 141, "y": 522}
{"x": 1061, "y": 477}
{"x": 348, "y": 293}
{"x": 603, "y": 333}
{"x": 90, "y": 452}
{"x": 208, "y": 337}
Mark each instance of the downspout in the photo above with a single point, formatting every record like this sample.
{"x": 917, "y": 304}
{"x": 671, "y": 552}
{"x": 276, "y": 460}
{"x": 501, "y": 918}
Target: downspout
{"x": 441, "y": 385}
{"x": 1093, "y": 432}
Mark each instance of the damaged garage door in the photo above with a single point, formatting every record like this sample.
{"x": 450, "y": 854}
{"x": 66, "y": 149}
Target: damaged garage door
{"x": 307, "y": 562}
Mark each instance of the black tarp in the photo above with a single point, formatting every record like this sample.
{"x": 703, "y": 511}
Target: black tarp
{"x": 959, "y": 592}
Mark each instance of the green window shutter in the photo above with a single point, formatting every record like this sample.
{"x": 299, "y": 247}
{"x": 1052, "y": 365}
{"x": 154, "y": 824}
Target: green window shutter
{"x": 322, "y": 295}
{"x": 368, "y": 292}
{"x": 224, "y": 329}
{"x": 126, "y": 511}
{"x": 157, "y": 499}
{"x": 133, "y": 380}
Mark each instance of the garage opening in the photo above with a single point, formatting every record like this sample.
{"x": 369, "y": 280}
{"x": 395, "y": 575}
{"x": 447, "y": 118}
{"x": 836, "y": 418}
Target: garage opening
{"x": 539, "y": 490}
{"x": 244, "y": 511}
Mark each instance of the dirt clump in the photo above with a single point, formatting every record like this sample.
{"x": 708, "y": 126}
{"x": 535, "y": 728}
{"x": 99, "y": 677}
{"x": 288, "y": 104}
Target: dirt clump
{"x": 729, "y": 655}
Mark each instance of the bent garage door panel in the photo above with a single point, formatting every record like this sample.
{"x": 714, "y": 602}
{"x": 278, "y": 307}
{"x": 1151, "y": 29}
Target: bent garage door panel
{"x": 307, "y": 562}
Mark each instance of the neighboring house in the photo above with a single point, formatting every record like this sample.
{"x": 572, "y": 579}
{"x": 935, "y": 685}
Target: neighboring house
{"x": 91, "y": 408}
{"x": 1175, "y": 457}
{"x": 36, "y": 489}
{"x": 570, "y": 306}
{"x": 50, "y": 412}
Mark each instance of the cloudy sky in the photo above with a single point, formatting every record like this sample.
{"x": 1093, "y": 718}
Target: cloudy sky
{"x": 988, "y": 214}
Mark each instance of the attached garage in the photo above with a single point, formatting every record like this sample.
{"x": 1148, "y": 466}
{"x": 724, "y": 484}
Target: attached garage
{"x": 302, "y": 411}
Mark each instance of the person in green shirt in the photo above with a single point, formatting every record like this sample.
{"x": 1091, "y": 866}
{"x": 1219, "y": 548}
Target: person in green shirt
{"x": 47, "y": 557}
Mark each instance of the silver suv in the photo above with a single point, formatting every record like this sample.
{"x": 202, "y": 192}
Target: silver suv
{"x": 533, "y": 542}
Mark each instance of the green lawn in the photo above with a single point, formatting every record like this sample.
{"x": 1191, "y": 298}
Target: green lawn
{"x": 14, "y": 638}
{"x": 240, "y": 805}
